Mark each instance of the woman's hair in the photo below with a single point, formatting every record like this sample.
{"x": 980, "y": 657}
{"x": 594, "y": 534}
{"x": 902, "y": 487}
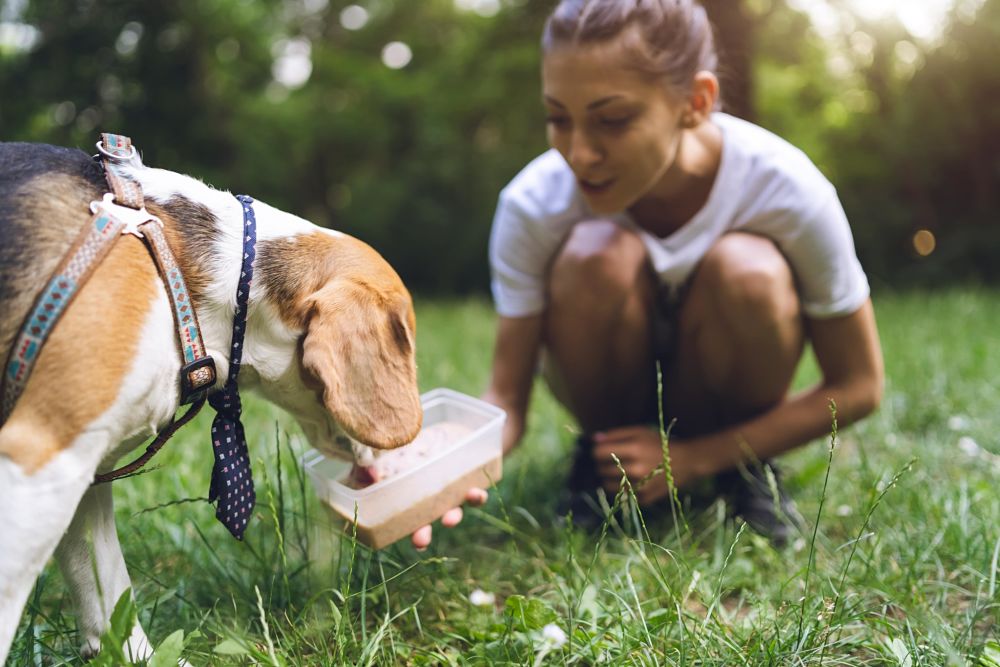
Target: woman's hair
{"x": 671, "y": 39}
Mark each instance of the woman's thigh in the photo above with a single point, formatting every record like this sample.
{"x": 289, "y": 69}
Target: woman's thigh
{"x": 739, "y": 336}
{"x": 597, "y": 329}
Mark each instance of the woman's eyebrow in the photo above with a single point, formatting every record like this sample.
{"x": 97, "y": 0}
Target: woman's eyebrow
{"x": 593, "y": 105}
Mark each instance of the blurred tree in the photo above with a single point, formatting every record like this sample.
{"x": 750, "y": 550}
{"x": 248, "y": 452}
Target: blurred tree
{"x": 284, "y": 100}
{"x": 151, "y": 69}
{"x": 926, "y": 154}
{"x": 735, "y": 39}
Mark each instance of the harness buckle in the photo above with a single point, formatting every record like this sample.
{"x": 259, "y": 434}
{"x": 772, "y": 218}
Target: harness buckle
{"x": 132, "y": 218}
{"x": 108, "y": 155}
{"x": 196, "y": 378}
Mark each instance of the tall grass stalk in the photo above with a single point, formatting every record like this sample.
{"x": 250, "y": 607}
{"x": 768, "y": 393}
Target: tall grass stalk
{"x": 819, "y": 515}
{"x": 676, "y": 511}
{"x": 267, "y": 630}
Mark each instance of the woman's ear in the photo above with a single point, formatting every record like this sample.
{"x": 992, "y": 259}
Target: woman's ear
{"x": 360, "y": 346}
{"x": 702, "y": 100}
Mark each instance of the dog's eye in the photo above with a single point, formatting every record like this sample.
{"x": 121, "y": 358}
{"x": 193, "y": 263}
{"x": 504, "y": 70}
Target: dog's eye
{"x": 343, "y": 441}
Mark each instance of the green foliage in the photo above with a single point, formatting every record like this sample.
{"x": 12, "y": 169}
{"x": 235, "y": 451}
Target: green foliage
{"x": 906, "y": 130}
{"x": 528, "y": 613}
{"x": 991, "y": 655}
{"x": 113, "y": 640}
{"x": 168, "y": 653}
{"x": 411, "y": 160}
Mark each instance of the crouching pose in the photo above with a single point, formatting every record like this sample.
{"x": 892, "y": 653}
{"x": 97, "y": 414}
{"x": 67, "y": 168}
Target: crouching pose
{"x": 658, "y": 228}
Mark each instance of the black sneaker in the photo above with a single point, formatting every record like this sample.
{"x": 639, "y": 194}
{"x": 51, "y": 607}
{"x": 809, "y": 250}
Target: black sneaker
{"x": 585, "y": 497}
{"x": 580, "y": 496}
{"x": 748, "y": 492}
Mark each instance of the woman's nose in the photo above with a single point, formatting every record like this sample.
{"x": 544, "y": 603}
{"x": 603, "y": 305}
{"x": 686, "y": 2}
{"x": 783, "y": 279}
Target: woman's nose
{"x": 583, "y": 151}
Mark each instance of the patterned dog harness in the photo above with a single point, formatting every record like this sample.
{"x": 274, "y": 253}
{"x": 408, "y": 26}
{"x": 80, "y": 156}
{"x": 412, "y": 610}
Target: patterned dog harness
{"x": 121, "y": 211}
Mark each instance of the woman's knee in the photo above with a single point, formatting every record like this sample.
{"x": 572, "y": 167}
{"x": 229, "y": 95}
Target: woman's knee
{"x": 750, "y": 280}
{"x": 599, "y": 261}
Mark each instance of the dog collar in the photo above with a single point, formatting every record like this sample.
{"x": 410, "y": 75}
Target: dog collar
{"x": 232, "y": 482}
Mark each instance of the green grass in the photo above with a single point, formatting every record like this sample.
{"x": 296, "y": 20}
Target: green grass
{"x": 902, "y": 571}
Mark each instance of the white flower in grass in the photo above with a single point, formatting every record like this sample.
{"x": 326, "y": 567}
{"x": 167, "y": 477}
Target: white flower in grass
{"x": 553, "y": 635}
{"x": 481, "y": 598}
{"x": 844, "y": 510}
{"x": 959, "y": 423}
{"x": 969, "y": 446}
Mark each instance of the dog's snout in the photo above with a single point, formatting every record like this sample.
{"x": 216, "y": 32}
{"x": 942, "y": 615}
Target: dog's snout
{"x": 364, "y": 455}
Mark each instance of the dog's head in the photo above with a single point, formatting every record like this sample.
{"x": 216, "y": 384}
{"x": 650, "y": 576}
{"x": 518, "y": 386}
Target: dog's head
{"x": 354, "y": 380}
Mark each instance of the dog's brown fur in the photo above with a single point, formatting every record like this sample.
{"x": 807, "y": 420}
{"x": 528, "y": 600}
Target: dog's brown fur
{"x": 70, "y": 386}
{"x": 295, "y": 268}
{"x": 69, "y": 389}
{"x": 48, "y": 211}
{"x": 190, "y": 230}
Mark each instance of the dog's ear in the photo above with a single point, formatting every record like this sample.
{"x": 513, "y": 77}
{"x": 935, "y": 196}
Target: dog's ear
{"x": 360, "y": 345}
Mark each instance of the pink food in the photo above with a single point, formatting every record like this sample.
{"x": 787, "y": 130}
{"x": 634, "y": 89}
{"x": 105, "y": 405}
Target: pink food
{"x": 388, "y": 463}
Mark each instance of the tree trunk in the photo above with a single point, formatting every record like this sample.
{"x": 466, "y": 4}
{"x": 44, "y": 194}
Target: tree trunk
{"x": 734, "y": 32}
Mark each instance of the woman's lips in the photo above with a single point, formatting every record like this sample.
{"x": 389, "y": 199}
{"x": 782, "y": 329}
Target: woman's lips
{"x": 594, "y": 187}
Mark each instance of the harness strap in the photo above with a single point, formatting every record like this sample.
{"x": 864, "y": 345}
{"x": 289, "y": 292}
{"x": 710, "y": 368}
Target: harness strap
{"x": 92, "y": 244}
{"x": 174, "y": 426}
{"x": 119, "y": 212}
{"x": 116, "y": 150}
{"x": 198, "y": 369}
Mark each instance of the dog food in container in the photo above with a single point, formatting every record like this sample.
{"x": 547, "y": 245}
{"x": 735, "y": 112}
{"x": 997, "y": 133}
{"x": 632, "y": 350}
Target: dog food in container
{"x": 459, "y": 447}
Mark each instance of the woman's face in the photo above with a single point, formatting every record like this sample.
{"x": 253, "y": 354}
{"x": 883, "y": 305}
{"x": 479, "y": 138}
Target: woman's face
{"x": 617, "y": 128}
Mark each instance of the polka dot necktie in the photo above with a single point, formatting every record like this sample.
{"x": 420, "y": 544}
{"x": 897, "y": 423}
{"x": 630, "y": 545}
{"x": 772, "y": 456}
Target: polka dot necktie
{"x": 232, "y": 484}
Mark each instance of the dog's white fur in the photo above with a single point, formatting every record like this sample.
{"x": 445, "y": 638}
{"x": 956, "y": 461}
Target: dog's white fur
{"x": 54, "y": 508}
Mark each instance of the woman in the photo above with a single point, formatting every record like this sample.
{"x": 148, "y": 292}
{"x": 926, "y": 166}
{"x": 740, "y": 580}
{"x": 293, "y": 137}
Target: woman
{"x": 657, "y": 228}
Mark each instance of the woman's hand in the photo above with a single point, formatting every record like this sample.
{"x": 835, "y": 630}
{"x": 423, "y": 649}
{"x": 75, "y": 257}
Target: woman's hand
{"x": 421, "y": 538}
{"x": 640, "y": 451}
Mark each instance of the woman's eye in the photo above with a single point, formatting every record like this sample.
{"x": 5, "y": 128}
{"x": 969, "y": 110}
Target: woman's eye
{"x": 618, "y": 121}
{"x": 557, "y": 121}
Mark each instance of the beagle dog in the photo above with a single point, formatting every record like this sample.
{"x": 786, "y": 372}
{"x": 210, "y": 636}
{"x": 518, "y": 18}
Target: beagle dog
{"x": 329, "y": 338}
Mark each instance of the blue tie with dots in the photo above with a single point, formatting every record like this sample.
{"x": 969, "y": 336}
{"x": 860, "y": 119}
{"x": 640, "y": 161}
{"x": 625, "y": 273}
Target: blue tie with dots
{"x": 232, "y": 484}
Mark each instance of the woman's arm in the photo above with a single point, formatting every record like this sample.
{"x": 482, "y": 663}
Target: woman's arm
{"x": 850, "y": 358}
{"x": 515, "y": 357}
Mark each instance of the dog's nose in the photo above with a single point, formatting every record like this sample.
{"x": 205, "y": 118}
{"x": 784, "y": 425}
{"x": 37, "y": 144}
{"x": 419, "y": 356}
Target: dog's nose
{"x": 364, "y": 455}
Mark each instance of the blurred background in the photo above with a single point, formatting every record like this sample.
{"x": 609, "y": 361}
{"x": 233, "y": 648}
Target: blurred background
{"x": 398, "y": 121}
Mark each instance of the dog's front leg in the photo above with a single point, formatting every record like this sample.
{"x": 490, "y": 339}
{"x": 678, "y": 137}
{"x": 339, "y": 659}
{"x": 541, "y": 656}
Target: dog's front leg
{"x": 93, "y": 565}
{"x": 37, "y": 505}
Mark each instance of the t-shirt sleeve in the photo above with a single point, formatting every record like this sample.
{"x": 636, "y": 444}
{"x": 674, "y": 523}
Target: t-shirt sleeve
{"x": 517, "y": 260}
{"x": 821, "y": 253}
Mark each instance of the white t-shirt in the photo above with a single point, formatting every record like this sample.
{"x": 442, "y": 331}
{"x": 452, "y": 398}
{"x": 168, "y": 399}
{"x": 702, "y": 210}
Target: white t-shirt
{"x": 764, "y": 186}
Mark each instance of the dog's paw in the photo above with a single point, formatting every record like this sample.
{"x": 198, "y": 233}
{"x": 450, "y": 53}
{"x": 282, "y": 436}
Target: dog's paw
{"x": 90, "y": 648}
{"x": 138, "y": 648}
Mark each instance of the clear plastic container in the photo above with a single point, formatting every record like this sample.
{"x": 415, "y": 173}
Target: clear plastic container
{"x": 394, "y": 507}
